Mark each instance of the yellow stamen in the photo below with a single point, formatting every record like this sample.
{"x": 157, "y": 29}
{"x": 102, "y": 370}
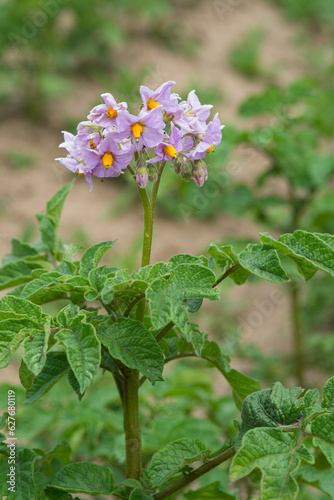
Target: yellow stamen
{"x": 137, "y": 130}
{"x": 111, "y": 112}
{"x": 92, "y": 144}
{"x": 108, "y": 160}
{"x": 210, "y": 149}
{"x": 80, "y": 174}
{"x": 151, "y": 104}
{"x": 170, "y": 151}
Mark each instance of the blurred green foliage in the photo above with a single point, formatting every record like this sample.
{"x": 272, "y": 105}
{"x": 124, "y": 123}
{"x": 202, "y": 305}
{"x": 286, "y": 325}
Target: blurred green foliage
{"x": 245, "y": 56}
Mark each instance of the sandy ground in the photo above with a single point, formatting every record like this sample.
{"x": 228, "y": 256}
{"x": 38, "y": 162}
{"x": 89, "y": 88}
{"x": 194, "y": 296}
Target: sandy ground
{"x": 23, "y": 193}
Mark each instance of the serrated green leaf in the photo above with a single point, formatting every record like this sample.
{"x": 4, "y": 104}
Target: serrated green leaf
{"x": 322, "y": 427}
{"x": 92, "y": 256}
{"x": 84, "y": 477}
{"x": 55, "y": 367}
{"x": 168, "y": 461}
{"x": 274, "y": 453}
{"x": 328, "y": 394}
{"x": 35, "y": 347}
{"x": 186, "y": 281}
{"x": 129, "y": 341}
{"x": 17, "y": 272}
{"x": 83, "y": 350}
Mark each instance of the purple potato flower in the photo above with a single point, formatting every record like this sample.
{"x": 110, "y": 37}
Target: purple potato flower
{"x": 145, "y": 130}
{"x": 160, "y": 97}
{"x": 109, "y": 160}
{"x": 105, "y": 143}
{"x": 192, "y": 115}
{"x": 105, "y": 115}
{"x": 168, "y": 150}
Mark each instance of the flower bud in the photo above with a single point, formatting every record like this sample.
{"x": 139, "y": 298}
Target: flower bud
{"x": 199, "y": 172}
{"x": 142, "y": 177}
{"x": 182, "y": 167}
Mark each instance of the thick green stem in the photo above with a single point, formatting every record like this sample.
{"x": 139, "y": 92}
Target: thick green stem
{"x": 131, "y": 377}
{"x": 298, "y": 341}
{"x": 131, "y": 425}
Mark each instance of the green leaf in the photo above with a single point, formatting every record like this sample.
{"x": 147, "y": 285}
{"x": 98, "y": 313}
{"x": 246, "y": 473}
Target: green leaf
{"x": 322, "y": 479}
{"x": 17, "y": 272}
{"x": 84, "y": 477}
{"x": 263, "y": 261}
{"x": 309, "y": 251}
{"x": 55, "y": 205}
{"x": 20, "y": 250}
{"x": 195, "y": 337}
{"x": 274, "y": 453}
{"x": 9, "y": 303}
{"x": 92, "y": 256}
{"x": 138, "y": 494}
{"x": 12, "y": 331}
{"x": 35, "y": 347}
{"x": 328, "y": 394}
{"x": 24, "y": 480}
{"x": 186, "y": 281}
{"x": 49, "y": 222}
{"x": 129, "y": 341}
{"x": 26, "y": 376}
{"x": 213, "y": 491}
{"x": 83, "y": 350}
{"x": 55, "y": 367}
{"x": 168, "y": 461}
{"x": 242, "y": 385}
{"x": 322, "y": 427}
{"x": 271, "y": 408}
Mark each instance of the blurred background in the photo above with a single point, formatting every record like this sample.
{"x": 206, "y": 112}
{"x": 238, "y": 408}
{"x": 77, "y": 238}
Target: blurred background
{"x": 268, "y": 68}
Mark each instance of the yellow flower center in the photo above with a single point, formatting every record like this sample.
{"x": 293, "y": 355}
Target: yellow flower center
{"x": 210, "y": 149}
{"x": 80, "y": 174}
{"x": 137, "y": 130}
{"x": 107, "y": 160}
{"x": 111, "y": 112}
{"x": 151, "y": 104}
{"x": 170, "y": 151}
{"x": 92, "y": 144}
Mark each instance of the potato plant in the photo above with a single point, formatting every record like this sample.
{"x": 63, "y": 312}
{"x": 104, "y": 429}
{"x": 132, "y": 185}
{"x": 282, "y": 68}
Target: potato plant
{"x": 130, "y": 324}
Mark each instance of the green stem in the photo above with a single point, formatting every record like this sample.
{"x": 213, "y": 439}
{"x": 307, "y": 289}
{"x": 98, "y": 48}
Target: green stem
{"x": 131, "y": 425}
{"x": 298, "y": 340}
{"x": 131, "y": 377}
{"x": 189, "y": 478}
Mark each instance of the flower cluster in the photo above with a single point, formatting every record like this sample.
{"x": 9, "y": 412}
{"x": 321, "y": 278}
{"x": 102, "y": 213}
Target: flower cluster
{"x": 164, "y": 130}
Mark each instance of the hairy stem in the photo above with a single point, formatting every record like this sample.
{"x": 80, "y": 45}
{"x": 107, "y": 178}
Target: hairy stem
{"x": 189, "y": 478}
